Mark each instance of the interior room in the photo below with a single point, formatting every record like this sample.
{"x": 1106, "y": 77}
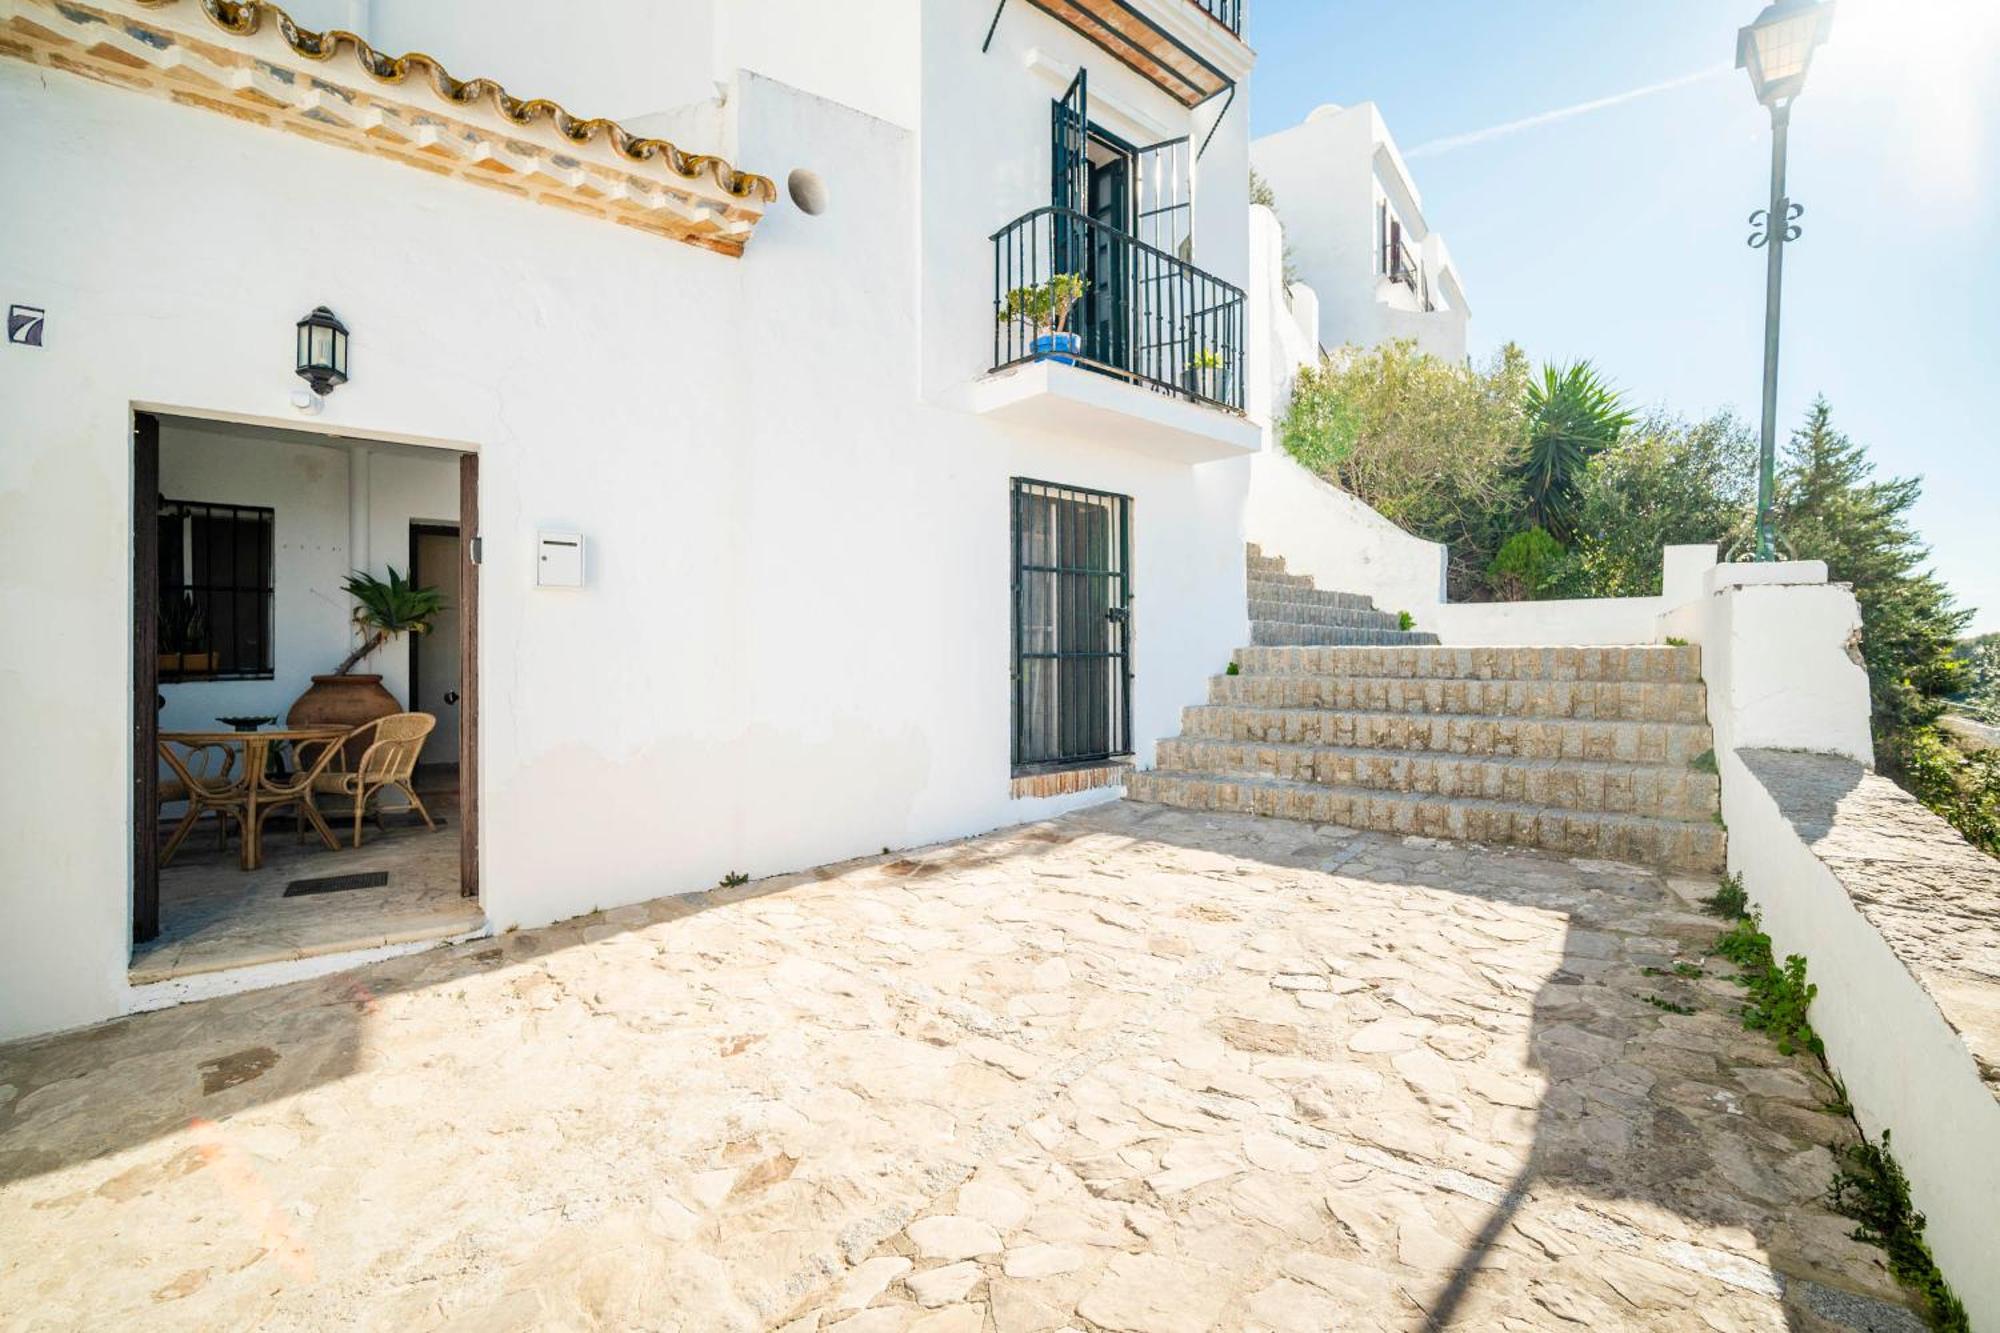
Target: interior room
{"x": 307, "y": 599}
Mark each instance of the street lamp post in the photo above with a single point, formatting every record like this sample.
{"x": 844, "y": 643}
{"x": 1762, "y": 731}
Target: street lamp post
{"x": 1777, "y": 50}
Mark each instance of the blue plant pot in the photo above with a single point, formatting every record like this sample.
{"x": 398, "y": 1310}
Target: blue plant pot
{"x": 1061, "y": 347}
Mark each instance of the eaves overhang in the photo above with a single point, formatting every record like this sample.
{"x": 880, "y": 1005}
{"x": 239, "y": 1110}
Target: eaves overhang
{"x": 248, "y": 60}
{"x": 1171, "y": 43}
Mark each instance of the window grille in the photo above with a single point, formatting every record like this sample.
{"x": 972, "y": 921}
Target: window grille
{"x": 1072, "y": 625}
{"x": 217, "y": 591}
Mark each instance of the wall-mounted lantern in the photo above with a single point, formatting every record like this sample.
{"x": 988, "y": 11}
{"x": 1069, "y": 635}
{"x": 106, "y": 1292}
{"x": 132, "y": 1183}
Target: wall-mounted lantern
{"x": 322, "y": 350}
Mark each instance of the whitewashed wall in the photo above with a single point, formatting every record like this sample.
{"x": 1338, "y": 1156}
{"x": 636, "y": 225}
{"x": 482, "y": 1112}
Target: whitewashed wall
{"x": 794, "y": 645}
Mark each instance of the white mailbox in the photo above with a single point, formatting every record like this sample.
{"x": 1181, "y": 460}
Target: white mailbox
{"x": 559, "y": 560}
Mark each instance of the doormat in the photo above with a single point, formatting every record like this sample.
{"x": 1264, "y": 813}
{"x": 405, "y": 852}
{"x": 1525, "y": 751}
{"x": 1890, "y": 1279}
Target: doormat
{"x": 373, "y": 879}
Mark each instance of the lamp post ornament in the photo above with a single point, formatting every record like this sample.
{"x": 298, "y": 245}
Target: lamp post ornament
{"x": 1777, "y": 50}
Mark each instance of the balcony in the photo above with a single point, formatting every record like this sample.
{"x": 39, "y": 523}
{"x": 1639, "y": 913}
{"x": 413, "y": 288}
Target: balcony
{"x": 1399, "y": 266}
{"x": 1153, "y": 356}
{"x": 1192, "y": 49}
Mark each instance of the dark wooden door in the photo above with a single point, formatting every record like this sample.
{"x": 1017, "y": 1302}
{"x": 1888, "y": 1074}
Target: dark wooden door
{"x": 1106, "y": 303}
{"x": 145, "y": 677}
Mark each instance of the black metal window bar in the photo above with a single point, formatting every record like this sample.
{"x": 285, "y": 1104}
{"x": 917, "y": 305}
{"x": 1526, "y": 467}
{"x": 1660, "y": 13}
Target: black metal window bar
{"x": 1072, "y": 625}
{"x": 1229, "y": 13}
{"x": 217, "y": 592}
{"x": 1146, "y": 315}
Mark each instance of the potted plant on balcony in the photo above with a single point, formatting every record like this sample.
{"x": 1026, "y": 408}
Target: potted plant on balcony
{"x": 1207, "y": 364}
{"x": 1044, "y": 307}
{"x": 383, "y": 611}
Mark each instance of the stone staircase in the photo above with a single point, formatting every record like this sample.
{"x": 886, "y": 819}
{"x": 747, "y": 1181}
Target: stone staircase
{"x": 1287, "y": 609}
{"x": 1594, "y": 752}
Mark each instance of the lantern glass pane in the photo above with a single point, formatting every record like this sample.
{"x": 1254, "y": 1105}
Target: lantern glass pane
{"x": 322, "y": 347}
{"x": 340, "y": 353}
{"x": 304, "y": 347}
{"x": 1784, "y": 48}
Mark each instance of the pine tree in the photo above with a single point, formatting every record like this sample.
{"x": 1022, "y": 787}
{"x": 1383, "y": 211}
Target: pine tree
{"x": 1829, "y": 507}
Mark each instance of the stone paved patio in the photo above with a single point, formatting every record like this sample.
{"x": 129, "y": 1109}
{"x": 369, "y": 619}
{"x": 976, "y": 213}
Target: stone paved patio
{"x": 1135, "y": 1069}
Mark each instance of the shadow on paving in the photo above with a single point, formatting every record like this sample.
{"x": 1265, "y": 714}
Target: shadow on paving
{"x": 1683, "y": 1123}
{"x": 315, "y": 1032}
{"x": 1644, "y": 1108}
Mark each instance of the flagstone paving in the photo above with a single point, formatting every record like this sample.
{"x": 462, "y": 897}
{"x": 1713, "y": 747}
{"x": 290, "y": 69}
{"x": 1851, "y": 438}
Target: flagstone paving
{"x": 1133, "y": 1069}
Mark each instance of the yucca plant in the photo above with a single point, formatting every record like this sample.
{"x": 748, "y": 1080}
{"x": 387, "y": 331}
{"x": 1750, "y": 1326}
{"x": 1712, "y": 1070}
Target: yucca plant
{"x": 386, "y": 609}
{"x": 1573, "y": 415}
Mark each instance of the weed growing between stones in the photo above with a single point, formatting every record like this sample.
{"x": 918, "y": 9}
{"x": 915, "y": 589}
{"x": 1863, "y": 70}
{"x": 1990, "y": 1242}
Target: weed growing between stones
{"x": 1232, "y": 670}
{"x": 1405, "y": 621}
{"x": 1869, "y": 1186}
{"x": 1871, "y": 1190}
{"x": 1703, "y": 762}
{"x": 732, "y": 879}
{"x": 1668, "y": 1005}
{"x": 1729, "y": 901}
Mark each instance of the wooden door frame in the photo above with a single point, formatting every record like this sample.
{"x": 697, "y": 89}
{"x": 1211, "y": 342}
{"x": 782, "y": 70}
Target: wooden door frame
{"x": 469, "y": 552}
{"x": 145, "y": 862}
{"x": 145, "y": 676}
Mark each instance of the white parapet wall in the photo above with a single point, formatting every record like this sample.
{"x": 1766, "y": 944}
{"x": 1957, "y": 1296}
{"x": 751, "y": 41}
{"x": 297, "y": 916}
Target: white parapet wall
{"x": 1898, "y": 919}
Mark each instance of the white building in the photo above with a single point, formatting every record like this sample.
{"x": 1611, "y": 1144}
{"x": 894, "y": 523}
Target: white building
{"x": 1359, "y": 238}
{"x": 839, "y": 586}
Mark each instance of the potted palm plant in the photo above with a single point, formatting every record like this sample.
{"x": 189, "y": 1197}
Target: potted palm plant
{"x": 1207, "y": 364}
{"x": 384, "y": 610}
{"x": 1044, "y": 307}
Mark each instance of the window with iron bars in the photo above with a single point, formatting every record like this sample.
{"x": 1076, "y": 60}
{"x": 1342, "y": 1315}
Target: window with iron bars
{"x": 217, "y": 594}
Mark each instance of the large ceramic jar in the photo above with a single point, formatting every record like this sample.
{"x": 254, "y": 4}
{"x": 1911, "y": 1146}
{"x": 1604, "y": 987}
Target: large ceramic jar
{"x": 343, "y": 701}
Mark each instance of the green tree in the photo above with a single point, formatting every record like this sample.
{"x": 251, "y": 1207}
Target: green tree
{"x": 1830, "y": 507}
{"x": 1433, "y": 446}
{"x": 1573, "y": 416}
{"x": 1979, "y": 694}
{"x": 1666, "y": 482}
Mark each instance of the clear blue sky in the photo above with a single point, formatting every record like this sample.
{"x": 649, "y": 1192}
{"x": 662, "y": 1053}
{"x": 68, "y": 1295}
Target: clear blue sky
{"x": 1618, "y": 233}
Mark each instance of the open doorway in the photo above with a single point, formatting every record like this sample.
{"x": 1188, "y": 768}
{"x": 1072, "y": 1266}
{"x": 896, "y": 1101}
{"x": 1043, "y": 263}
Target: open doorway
{"x": 305, "y": 753}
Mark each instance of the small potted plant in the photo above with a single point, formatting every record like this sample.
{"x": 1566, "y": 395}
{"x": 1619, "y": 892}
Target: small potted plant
{"x": 183, "y": 647}
{"x": 1207, "y": 365}
{"x": 1044, "y": 307}
{"x": 384, "y": 610}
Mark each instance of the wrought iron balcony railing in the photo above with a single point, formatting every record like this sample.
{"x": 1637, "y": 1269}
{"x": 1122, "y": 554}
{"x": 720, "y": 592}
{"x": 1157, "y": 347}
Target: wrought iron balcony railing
{"x": 1398, "y": 265}
{"x": 1229, "y": 13}
{"x": 1143, "y": 315}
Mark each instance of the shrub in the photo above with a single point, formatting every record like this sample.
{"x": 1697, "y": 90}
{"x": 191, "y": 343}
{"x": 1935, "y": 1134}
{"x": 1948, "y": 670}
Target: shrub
{"x": 1526, "y": 565}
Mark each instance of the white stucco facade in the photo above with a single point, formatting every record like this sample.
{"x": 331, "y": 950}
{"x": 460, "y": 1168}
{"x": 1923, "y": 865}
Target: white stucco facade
{"x": 794, "y": 641}
{"x": 1359, "y": 238}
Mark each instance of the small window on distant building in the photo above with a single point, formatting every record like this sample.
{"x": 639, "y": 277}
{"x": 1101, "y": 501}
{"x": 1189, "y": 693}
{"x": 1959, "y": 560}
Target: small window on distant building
{"x": 1381, "y": 236}
{"x": 216, "y": 591}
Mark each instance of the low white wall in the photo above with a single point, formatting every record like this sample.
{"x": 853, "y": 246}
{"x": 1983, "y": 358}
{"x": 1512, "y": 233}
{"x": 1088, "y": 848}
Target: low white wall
{"x": 1323, "y": 531}
{"x": 1905, "y": 1068}
{"x": 1600, "y": 621}
{"x": 1781, "y": 662}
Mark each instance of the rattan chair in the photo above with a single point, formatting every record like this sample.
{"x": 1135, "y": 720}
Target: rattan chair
{"x": 389, "y": 760}
{"x": 202, "y": 777}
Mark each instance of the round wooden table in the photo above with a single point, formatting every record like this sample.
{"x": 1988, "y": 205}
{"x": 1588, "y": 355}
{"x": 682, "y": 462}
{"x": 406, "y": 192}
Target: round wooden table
{"x": 253, "y": 795}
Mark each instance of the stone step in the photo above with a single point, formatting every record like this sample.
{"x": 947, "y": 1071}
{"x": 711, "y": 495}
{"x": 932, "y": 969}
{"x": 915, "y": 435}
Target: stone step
{"x": 1278, "y": 578}
{"x": 1652, "y": 791}
{"x": 1300, "y": 613}
{"x": 1603, "y": 701}
{"x": 1674, "y": 744}
{"x": 1274, "y": 590}
{"x": 1636, "y": 665}
{"x": 1264, "y": 564}
{"x": 1278, "y": 633}
{"x": 1671, "y": 844}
